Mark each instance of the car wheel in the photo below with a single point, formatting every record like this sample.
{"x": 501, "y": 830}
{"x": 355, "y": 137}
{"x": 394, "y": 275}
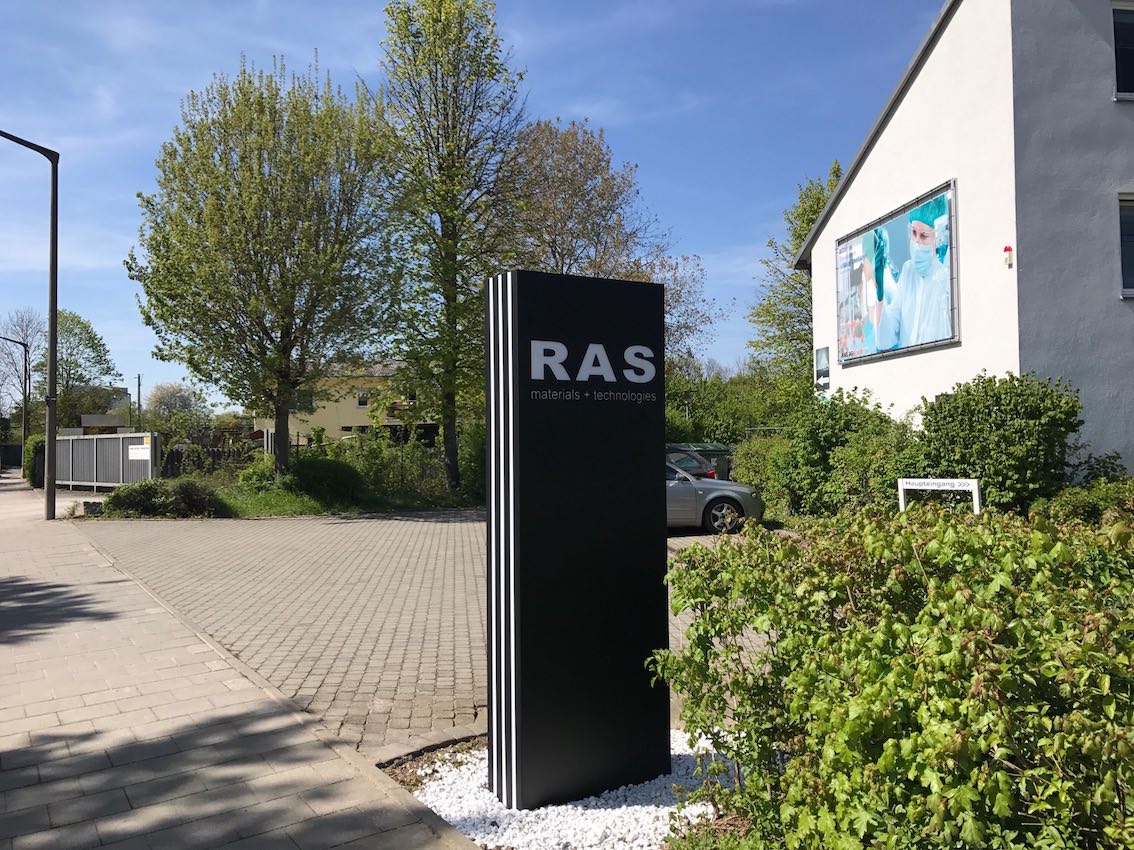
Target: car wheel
{"x": 722, "y": 516}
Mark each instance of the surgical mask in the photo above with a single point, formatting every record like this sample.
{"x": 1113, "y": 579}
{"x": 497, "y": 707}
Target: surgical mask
{"x": 922, "y": 256}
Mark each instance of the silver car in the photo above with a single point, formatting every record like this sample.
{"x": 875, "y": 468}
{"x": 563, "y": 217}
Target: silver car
{"x": 716, "y": 506}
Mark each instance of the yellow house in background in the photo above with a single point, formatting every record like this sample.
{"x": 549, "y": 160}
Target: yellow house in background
{"x": 347, "y": 409}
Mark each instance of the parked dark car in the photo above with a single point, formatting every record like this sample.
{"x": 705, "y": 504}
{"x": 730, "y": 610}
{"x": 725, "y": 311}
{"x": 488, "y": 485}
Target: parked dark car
{"x": 689, "y": 462}
{"x": 718, "y": 455}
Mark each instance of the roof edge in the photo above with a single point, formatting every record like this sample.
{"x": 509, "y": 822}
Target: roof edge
{"x": 802, "y": 261}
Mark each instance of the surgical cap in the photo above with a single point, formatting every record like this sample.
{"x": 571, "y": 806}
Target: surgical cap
{"x": 930, "y": 211}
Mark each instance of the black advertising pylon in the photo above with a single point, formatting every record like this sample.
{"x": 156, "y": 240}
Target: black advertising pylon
{"x": 576, "y": 536}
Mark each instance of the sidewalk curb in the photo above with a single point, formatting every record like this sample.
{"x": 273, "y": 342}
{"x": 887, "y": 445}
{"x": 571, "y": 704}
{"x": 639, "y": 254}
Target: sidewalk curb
{"x": 363, "y": 765}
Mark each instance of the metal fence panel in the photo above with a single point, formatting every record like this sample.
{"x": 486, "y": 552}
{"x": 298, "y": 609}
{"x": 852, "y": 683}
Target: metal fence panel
{"x": 82, "y": 460}
{"x": 104, "y": 460}
{"x": 62, "y": 460}
{"x": 108, "y": 459}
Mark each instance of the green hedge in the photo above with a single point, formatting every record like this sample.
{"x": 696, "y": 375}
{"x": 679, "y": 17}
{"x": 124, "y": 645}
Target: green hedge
{"x": 1013, "y": 433}
{"x": 182, "y": 497}
{"x": 759, "y": 462}
{"x": 802, "y": 472}
{"x": 934, "y": 680}
{"x": 1088, "y": 504}
{"x": 34, "y": 445}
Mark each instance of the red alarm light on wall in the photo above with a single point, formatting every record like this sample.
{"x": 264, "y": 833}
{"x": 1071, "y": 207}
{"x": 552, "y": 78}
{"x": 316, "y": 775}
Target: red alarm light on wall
{"x": 1008, "y": 256}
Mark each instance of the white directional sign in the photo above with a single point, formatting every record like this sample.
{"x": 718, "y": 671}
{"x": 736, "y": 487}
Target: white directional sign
{"x": 968, "y": 485}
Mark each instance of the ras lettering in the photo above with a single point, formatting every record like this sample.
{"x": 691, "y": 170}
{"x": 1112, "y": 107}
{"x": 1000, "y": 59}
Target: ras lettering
{"x": 550, "y": 356}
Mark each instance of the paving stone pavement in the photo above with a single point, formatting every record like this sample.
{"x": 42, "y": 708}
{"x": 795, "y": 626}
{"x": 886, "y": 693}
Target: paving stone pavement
{"x": 376, "y": 625}
{"x": 121, "y": 726}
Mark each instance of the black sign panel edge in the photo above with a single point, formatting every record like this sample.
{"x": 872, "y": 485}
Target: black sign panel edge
{"x": 503, "y": 378}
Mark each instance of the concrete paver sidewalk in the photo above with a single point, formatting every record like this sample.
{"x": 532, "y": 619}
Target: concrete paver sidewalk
{"x": 374, "y": 625}
{"x": 120, "y": 726}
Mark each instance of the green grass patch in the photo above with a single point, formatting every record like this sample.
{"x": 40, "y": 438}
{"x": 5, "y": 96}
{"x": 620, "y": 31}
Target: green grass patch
{"x": 246, "y": 502}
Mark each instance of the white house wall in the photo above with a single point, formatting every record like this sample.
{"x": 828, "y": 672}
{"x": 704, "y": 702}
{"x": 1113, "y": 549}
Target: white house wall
{"x": 1074, "y": 157}
{"x": 954, "y": 123}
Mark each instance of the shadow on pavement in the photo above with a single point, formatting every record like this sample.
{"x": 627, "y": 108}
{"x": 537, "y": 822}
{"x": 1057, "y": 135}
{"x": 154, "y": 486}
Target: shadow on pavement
{"x": 225, "y": 778}
{"x": 29, "y": 607}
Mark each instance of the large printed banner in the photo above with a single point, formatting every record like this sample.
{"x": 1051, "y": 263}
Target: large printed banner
{"x": 895, "y": 281}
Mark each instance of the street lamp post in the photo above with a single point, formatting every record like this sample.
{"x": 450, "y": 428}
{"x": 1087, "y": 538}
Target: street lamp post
{"x": 27, "y": 381}
{"x": 52, "y": 323}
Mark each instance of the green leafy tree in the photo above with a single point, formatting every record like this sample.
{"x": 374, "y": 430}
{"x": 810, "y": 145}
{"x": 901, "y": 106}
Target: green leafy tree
{"x": 782, "y": 316}
{"x": 455, "y": 109}
{"x": 83, "y": 357}
{"x": 267, "y": 258}
{"x": 180, "y": 413}
{"x": 84, "y": 371}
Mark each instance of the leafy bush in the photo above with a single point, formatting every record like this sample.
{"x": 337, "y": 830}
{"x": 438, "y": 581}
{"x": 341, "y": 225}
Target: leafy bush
{"x": 193, "y": 498}
{"x": 194, "y": 460}
{"x": 865, "y": 470}
{"x": 35, "y": 445}
{"x": 1088, "y": 504}
{"x": 758, "y": 462}
{"x": 260, "y": 475}
{"x": 823, "y": 425}
{"x": 1013, "y": 433}
{"x": 677, "y": 428}
{"x": 329, "y": 481}
{"x": 1094, "y": 469}
{"x": 161, "y": 498}
{"x": 473, "y": 462}
{"x": 933, "y": 680}
{"x": 409, "y": 471}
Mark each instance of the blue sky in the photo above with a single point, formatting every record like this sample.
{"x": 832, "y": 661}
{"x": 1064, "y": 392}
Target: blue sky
{"x": 724, "y": 106}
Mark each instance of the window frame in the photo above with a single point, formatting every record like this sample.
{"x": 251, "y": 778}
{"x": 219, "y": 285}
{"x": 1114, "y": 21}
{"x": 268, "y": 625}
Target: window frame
{"x": 1119, "y": 6}
{"x": 1125, "y": 200}
{"x": 358, "y": 400}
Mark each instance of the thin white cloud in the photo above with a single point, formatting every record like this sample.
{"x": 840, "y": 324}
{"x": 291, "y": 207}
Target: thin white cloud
{"x": 104, "y": 103}
{"x": 24, "y": 246}
{"x": 529, "y": 38}
{"x": 734, "y": 267}
{"x": 623, "y": 110}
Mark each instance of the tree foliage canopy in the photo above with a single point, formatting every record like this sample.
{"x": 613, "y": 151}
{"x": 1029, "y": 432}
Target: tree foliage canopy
{"x": 782, "y": 316}
{"x": 580, "y": 213}
{"x": 454, "y": 107}
{"x": 83, "y": 358}
{"x": 266, "y": 264}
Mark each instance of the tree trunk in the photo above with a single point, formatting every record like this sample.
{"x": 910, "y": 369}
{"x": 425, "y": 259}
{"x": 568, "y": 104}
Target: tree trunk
{"x": 451, "y": 353}
{"x": 449, "y": 430}
{"x": 283, "y": 440}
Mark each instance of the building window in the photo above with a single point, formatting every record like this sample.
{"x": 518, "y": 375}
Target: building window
{"x": 304, "y": 402}
{"x": 364, "y": 400}
{"x": 1126, "y": 223}
{"x": 1124, "y": 49}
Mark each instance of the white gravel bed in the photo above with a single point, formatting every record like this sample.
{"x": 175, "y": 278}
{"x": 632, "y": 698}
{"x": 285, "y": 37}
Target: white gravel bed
{"x": 634, "y": 817}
